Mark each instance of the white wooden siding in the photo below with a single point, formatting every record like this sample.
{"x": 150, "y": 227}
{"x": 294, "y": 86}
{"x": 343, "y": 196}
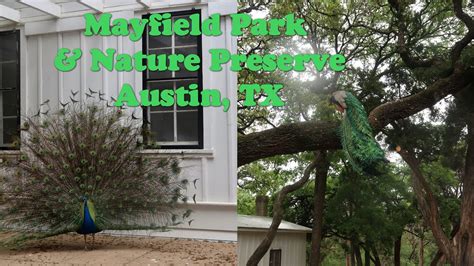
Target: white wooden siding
{"x": 292, "y": 245}
{"x": 215, "y": 165}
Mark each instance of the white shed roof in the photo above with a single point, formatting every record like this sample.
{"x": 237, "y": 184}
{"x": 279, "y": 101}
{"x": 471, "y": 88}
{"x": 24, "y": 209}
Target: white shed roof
{"x": 263, "y": 223}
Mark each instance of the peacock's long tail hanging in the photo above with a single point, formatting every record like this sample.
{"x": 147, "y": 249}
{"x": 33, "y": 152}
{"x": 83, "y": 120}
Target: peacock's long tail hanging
{"x": 357, "y": 139}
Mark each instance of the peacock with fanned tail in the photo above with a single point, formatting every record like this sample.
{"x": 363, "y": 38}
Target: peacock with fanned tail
{"x": 81, "y": 170}
{"x": 362, "y": 151}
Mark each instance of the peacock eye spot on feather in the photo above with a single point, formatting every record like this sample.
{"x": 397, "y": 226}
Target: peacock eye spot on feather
{"x": 98, "y": 177}
{"x": 82, "y": 186}
{"x": 66, "y": 166}
{"x": 76, "y": 178}
{"x": 93, "y": 153}
{"x": 84, "y": 161}
{"x": 82, "y": 145}
{"x": 101, "y": 162}
{"x": 78, "y": 170}
{"x": 90, "y": 168}
{"x": 84, "y": 175}
{"x": 71, "y": 156}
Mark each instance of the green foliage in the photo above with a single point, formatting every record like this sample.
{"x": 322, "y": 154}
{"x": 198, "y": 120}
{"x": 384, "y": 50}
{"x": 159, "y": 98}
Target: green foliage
{"x": 88, "y": 151}
{"x": 245, "y": 202}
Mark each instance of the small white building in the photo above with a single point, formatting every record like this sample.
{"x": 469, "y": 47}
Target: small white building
{"x": 32, "y": 31}
{"x": 288, "y": 247}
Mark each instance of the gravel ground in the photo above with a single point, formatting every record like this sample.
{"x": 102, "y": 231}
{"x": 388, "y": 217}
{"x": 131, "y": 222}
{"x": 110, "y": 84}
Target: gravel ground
{"x": 119, "y": 250}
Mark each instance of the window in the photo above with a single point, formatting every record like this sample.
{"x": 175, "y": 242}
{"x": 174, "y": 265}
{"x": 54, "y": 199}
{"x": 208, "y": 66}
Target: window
{"x": 275, "y": 257}
{"x": 9, "y": 88}
{"x": 173, "y": 127}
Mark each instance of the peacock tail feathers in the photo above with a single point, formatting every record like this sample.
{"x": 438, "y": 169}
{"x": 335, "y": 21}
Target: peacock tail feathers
{"x": 362, "y": 151}
{"x": 87, "y": 151}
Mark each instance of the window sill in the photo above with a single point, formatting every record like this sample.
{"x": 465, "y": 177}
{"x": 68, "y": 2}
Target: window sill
{"x": 181, "y": 153}
{"x": 10, "y": 152}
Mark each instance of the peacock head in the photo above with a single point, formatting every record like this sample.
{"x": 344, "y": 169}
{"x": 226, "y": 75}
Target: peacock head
{"x": 84, "y": 198}
{"x": 338, "y": 99}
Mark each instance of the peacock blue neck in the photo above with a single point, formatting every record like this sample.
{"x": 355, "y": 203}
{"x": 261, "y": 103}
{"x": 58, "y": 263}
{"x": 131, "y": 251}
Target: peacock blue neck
{"x": 88, "y": 225}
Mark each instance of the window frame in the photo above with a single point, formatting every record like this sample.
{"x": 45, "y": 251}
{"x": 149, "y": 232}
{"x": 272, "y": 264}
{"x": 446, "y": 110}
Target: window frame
{"x": 145, "y": 80}
{"x": 18, "y": 82}
{"x": 273, "y": 262}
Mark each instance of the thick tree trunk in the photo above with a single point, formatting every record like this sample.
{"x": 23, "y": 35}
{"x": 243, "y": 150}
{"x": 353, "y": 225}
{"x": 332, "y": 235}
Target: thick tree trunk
{"x": 322, "y": 168}
{"x": 366, "y": 257}
{"x": 278, "y": 213}
{"x": 377, "y": 261}
{"x": 352, "y": 253}
{"x": 357, "y": 254}
{"x": 428, "y": 205}
{"x": 460, "y": 251}
{"x": 464, "y": 239}
{"x": 436, "y": 258}
{"x": 396, "y": 251}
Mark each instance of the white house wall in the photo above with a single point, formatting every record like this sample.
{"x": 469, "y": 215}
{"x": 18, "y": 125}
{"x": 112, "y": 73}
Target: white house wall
{"x": 292, "y": 245}
{"x": 214, "y": 166}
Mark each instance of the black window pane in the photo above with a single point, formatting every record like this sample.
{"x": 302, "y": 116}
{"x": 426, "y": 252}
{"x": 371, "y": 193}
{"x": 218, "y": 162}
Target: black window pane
{"x": 183, "y": 72}
{"x": 10, "y": 129}
{"x": 187, "y": 39}
{"x": 10, "y": 102}
{"x": 8, "y": 47}
{"x": 160, "y": 74}
{"x": 9, "y": 91}
{"x": 160, "y": 85}
{"x": 185, "y": 83}
{"x": 162, "y": 126}
{"x": 159, "y": 42}
{"x": 8, "y": 75}
{"x": 187, "y": 126}
{"x": 275, "y": 257}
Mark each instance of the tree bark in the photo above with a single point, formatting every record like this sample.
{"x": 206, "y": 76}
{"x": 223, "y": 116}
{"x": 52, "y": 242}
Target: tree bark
{"x": 396, "y": 251}
{"x": 427, "y": 204}
{"x": 352, "y": 253}
{"x": 366, "y": 257}
{"x": 377, "y": 261}
{"x": 319, "y": 135}
{"x": 421, "y": 254}
{"x": 322, "y": 168}
{"x": 278, "y": 213}
{"x": 436, "y": 258}
{"x": 357, "y": 255}
{"x": 464, "y": 239}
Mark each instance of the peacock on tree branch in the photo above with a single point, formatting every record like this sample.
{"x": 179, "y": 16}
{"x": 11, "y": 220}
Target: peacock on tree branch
{"x": 80, "y": 170}
{"x": 357, "y": 139}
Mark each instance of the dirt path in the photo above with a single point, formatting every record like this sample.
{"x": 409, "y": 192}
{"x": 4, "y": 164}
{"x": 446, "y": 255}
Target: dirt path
{"x": 120, "y": 250}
